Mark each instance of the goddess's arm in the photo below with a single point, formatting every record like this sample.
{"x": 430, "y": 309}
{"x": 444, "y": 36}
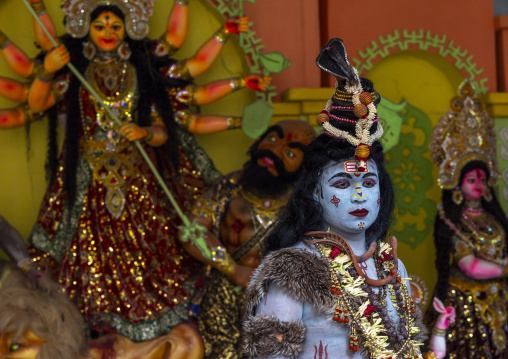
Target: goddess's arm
{"x": 13, "y": 90}
{"x": 208, "y": 53}
{"x": 479, "y": 268}
{"x": 40, "y": 36}
{"x": 177, "y": 27}
{"x": 17, "y": 117}
{"x": 438, "y": 339}
{"x": 16, "y": 59}
{"x": 40, "y": 97}
{"x": 218, "y": 89}
{"x": 200, "y": 95}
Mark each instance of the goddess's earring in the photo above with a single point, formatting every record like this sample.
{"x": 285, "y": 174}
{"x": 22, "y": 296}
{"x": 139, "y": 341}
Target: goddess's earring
{"x": 457, "y": 196}
{"x": 124, "y": 52}
{"x": 487, "y": 194}
{"x": 89, "y": 50}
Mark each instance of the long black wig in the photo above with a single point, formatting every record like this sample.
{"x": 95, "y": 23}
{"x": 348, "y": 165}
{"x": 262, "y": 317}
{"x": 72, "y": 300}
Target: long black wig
{"x": 152, "y": 88}
{"x": 443, "y": 233}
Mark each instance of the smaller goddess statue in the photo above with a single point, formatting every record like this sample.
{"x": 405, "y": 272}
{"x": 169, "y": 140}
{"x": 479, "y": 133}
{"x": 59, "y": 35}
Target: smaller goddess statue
{"x": 470, "y": 227}
{"x": 331, "y": 284}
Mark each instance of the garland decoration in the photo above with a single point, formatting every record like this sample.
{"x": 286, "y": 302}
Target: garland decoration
{"x": 364, "y": 310}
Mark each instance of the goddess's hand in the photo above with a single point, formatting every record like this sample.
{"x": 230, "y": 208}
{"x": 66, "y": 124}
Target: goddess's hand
{"x": 236, "y": 26}
{"x": 241, "y": 275}
{"x": 133, "y": 132}
{"x": 257, "y": 83}
{"x": 56, "y": 59}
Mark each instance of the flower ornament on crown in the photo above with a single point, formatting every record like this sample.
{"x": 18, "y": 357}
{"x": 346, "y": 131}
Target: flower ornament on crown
{"x": 137, "y": 13}
{"x": 464, "y": 134}
{"x": 361, "y": 126}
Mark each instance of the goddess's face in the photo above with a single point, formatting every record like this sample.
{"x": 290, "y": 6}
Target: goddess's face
{"x": 107, "y": 31}
{"x": 27, "y": 347}
{"x": 350, "y": 201}
{"x": 474, "y": 183}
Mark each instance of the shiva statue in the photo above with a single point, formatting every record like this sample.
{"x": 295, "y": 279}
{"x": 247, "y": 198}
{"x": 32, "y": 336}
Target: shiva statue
{"x": 470, "y": 231}
{"x": 106, "y": 230}
{"x": 239, "y": 211}
{"x": 331, "y": 284}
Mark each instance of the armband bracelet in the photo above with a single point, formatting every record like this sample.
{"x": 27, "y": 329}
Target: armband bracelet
{"x": 45, "y": 76}
{"x": 38, "y": 7}
{"x": 4, "y": 41}
{"x": 149, "y": 135}
{"x": 236, "y": 83}
{"x": 234, "y": 123}
{"x": 222, "y": 35}
{"x": 28, "y": 115}
{"x": 225, "y": 263}
{"x": 182, "y": 2}
{"x": 439, "y": 332}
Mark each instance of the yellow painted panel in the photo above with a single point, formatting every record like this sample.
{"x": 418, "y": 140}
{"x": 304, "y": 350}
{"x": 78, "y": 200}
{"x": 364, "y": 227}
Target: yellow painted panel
{"x": 308, "y": 94}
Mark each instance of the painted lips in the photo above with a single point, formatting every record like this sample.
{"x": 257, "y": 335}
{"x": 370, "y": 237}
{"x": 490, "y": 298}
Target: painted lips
{"x": 359, "y": 213}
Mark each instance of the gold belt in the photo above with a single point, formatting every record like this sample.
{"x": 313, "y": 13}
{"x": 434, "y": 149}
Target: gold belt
{"x": 476, "y": 286}
{"x": 101, "y": 145}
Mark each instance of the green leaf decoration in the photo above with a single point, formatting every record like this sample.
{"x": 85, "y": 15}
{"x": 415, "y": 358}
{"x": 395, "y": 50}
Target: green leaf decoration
{"x": 256, "y": 118}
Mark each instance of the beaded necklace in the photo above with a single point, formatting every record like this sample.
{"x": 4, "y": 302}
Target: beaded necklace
{"x": 365, "y": 311}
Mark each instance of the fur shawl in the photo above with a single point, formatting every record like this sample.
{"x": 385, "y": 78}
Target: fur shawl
{"x": 306, "y": 276}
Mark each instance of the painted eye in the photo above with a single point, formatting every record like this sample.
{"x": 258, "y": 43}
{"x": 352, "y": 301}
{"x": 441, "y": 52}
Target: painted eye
{"x": 341, "y": 184}
{"x": 15, "y": 347}
{"x": 369, "y": 183}
{"x": 290, "y": 154}
{"x": 117, "y": 28}
{"x": 272, "y": 139}
{"x": 98, "y": 27}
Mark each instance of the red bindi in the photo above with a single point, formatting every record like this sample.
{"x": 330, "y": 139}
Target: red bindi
{"x": 290, "y": 136}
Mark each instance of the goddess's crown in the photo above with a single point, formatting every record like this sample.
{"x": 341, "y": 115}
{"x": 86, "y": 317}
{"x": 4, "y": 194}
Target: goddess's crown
{"x": 464, "y": 134}
{"x": 137, "y": 13}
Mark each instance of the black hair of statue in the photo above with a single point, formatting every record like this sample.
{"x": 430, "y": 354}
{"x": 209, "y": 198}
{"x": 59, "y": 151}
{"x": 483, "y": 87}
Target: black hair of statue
{"x": 443, "y": 234}
{"x": 303, "y": 213}
{"x": 152, "y": 86}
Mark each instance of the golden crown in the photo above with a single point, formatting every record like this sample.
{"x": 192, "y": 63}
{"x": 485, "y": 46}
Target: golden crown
{"x": 464, "y": 134}
{"x": 137, "y": 13}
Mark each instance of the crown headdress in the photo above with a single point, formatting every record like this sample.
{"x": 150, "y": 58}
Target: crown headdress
{"x": 464, "y": 134}
{"x": 137, "y": 13}
{"x": 351, "y": 113}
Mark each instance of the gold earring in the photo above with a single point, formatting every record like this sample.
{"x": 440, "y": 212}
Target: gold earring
{"x": 487, "y": 195}
{"x": 457, "y": 197}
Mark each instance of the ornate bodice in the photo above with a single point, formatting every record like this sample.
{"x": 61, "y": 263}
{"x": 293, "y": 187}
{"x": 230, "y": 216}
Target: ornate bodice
{"x": 485, "y": 236}
{"x": 116, "y": 84}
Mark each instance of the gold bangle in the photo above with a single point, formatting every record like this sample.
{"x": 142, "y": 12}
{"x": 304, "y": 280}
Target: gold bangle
{"x": 184, "y": 119}
{"x": 233, "y": 122}
{"x": 38, "y": 7}
{"x": 149, "y": 135}
{"x": 44, "y": 75}
{"x": 167, "y": 47}
{"x": 28, "y": 115}
{"x": 225, "y": 263}
{"x": 236, "y": 83}
{"x": 4, "y": 41}
{"x": 439, "y": 332}
{"x": 222, "y": 35}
